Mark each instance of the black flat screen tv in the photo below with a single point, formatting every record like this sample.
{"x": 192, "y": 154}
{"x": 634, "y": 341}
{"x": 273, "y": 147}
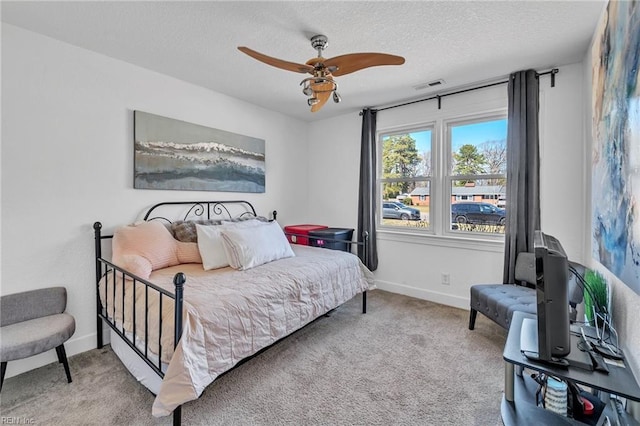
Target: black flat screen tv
{"x": 552, "y": 294}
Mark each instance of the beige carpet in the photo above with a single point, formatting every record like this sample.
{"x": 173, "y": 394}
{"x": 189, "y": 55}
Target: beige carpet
{"x": 406, "y": 362}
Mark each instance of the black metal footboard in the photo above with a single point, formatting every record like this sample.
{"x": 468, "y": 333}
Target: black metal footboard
{"x": 106, "y": 270}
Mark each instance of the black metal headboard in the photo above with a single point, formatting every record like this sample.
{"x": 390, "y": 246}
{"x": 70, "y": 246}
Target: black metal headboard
{"x": 170, "y": 211}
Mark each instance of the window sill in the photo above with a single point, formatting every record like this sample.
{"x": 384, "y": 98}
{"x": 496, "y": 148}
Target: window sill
{"x": 459, "y": 242}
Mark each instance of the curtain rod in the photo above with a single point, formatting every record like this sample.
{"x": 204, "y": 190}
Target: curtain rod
{"x": 552, "y": 71}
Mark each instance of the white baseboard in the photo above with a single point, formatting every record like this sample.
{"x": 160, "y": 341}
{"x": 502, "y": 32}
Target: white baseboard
{"x": 420, "y": 293}
{"x": 72, "y": 347}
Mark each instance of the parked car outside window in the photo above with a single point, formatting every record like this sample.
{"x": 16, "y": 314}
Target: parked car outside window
{"x": 397, "y": 210}
{"x": 477, "y": 213}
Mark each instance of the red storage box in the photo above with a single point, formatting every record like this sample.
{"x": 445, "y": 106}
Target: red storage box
{"x": 300, "y": 231}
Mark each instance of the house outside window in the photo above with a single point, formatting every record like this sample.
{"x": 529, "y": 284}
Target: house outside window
{"x": 432, "y": 168}
{"x": 406, "y": 175}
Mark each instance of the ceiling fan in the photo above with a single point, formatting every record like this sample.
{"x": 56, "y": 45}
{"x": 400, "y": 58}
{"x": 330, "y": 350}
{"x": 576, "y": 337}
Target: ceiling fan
{"x": 321, "y": 85}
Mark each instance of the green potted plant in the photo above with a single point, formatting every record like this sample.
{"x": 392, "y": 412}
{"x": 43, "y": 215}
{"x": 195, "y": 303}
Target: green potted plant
{"x": 596, "y": 296}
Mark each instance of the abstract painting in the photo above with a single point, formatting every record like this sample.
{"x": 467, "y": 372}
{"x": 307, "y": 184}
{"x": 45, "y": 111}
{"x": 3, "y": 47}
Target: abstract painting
{"x": 174, "y": 154}
{"x": 616, "y": 142}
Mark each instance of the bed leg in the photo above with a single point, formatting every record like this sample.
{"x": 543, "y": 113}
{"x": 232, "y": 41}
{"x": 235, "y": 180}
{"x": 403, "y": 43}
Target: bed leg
{"x": 177, "y": 416}
{"x": 364, "y": 302}
{"x": 178, "y": 281}
{"x": 97, "y": 227}
{"x": 99, "y": 333}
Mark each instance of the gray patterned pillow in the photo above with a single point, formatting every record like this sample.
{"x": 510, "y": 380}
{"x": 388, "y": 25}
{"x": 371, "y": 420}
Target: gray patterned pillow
{"x": 185, "y": 230}
{"x": 246, "y": 217}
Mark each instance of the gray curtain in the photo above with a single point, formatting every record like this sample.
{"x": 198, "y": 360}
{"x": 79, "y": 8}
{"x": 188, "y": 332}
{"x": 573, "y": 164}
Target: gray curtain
{"x": 523, "y": 169}
{"x": 367, "y": 200}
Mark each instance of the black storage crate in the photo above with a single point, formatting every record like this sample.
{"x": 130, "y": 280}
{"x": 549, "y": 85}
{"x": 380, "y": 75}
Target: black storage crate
{"x": 331, "y": 238}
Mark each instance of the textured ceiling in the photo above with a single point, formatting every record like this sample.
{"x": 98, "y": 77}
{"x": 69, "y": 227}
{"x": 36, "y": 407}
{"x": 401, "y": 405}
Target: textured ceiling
{"x": 460, "y": 42}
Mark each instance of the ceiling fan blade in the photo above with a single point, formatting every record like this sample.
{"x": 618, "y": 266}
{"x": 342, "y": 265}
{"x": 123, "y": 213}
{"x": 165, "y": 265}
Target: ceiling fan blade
{"x": 322, "y": 92}
{"x": 275, "y": 62}
{"x": 346, "y": 64}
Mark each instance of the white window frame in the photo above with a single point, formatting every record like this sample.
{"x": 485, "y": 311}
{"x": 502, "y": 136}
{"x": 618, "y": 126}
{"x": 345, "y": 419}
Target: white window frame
{"x": 463, "y": 198}
{"x": 428, "y": 126}
{"x": 440, "y": 182}
{"x": 449, "y": 177}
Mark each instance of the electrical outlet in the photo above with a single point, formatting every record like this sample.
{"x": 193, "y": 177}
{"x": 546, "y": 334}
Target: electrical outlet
{"x": 446, "y": 279}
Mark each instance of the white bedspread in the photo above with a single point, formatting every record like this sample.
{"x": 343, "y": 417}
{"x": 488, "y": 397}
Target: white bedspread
{"x": 230, "y": 315}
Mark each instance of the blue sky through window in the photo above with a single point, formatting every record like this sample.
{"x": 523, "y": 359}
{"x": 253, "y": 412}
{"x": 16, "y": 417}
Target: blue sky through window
{"x": 478, "y": 133}
{"x": 423, "y": 140}
{"x": 474, "y": 134}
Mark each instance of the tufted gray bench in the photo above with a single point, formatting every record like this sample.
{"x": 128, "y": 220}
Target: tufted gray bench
{"x": 33, "y": 322}
{"x": 498, "y": 302}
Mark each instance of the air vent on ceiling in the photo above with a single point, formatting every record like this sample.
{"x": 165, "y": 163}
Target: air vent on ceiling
{"x": 429, "y": 85}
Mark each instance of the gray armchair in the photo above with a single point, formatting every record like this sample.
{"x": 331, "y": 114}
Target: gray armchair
{"x": 498, "y": 302}
{"x": 34, "y": 322}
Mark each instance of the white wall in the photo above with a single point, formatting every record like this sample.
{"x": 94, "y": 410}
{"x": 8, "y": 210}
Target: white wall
{"x": 67, "y": 161}
{"x": 414, "y": 266}
{"x": 562, "y": 186}
{"x": 334, "y": 170}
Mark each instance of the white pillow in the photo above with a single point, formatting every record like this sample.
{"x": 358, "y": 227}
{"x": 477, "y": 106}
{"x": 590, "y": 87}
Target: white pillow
{"x": 254, "y": 246}
{"x": 211, "y": 247}
{"x": 248, "y": 223}
{"x": 210, "y": 242}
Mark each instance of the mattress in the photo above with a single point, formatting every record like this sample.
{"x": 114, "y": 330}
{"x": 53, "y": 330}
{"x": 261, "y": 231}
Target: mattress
{"x": 136, "y": 365}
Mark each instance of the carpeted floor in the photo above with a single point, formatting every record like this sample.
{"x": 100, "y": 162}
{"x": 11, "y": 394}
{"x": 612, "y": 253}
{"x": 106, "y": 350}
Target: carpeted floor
{"x": 406, "y": 362}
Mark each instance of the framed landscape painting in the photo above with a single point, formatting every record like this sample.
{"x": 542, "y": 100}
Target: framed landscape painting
{"x": 616, "y": 142}
{"x": 174, "y": 154}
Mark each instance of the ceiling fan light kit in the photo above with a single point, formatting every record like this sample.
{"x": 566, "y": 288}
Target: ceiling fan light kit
{"x": 321, "y": 85}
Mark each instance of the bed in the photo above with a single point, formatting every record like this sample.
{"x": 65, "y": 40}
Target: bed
{"x": 176, "y": 326}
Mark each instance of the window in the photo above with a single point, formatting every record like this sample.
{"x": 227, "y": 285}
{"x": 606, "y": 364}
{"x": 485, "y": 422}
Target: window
{"x": 477, "y": 173}
{"x": 445, "y": 178}
{"x": 406, "y": 178}
{"x": 489, "y": 196}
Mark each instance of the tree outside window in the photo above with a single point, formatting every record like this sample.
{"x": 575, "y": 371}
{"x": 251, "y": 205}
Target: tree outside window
{"x": 400, "y": 161}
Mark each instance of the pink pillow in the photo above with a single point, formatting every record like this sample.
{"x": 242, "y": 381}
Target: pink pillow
{"x": 148, "y": 246}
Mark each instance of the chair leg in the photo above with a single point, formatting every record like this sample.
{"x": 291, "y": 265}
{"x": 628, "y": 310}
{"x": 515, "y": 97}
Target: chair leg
{"x": 3, "y": 370}
{"x": 62, "y": 357}
{"x": 472, "y": 318}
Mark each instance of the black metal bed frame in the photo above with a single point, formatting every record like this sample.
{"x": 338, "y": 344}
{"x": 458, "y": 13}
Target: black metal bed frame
{"x": 198, "y": 210}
